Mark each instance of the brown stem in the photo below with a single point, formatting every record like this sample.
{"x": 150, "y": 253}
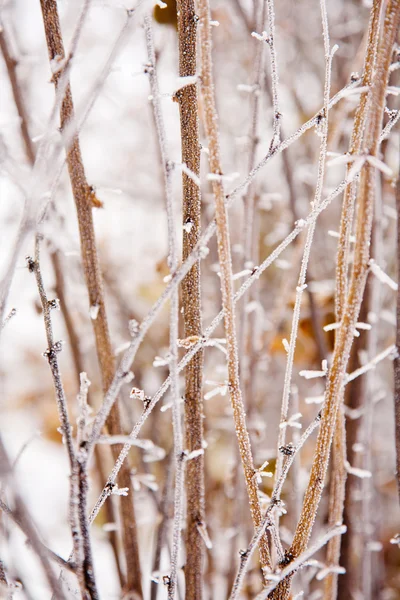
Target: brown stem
{"x": 84, "y": 199}
{"x": 73, "y": 338}
{"x": 191, "y": 299}
{"x": 339, "y": 474}
{"x": 396, "y": 362}
{"x": 344, "y": 339}
{"x": 224, "y": 254}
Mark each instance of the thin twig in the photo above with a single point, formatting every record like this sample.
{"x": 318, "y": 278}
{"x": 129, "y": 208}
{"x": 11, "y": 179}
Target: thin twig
{"x": 301, "y": 286}
{"x": 351, "y": 310}
{"x": 339, "y": 474}
{"x": 113, "y": 391}
{"x": 275, "y": 502}
{"x": 225, "y": 261}
{"x": 84, "y": 197}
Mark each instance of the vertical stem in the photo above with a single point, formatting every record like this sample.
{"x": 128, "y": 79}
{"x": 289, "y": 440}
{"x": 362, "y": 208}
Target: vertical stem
{"x": 83, "y": 197}
{"x": 344, "y": 339}
{"x": 191, "y": 298}
{"x": 396, "y": 362}
{"x": 224, "y": 254}
{"x": 339, "y": 475}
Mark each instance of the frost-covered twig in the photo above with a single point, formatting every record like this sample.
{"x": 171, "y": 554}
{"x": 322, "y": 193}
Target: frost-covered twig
{"x": 396, "y": 363}
{"x": 275, "y": 502}
{"x": 301, "y": 286}
{"x": 187, "y": 99}
{"x": 113, "y": 391}
{"x": 84, "y": 198}
{"x": 174, "y": 313}
{"x": 299, "y": 561}
{"x": 351, "y": 310}
{"x": 78, "y": 487}
{"x": 225, "y": 261}
{"x": 338, "y": 485}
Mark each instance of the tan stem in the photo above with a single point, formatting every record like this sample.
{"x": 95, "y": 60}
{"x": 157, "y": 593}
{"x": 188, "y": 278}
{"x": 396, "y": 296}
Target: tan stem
{"x": 224, "y": 254}
{"x": 339, "y": 474}
{"x": 344, "y": 339}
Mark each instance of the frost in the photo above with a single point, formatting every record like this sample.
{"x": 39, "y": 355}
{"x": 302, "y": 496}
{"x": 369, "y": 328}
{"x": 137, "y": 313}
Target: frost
{"x": 314, "y": 399}
{"x": 261, "y": 38}
{"x": 301, "y": 223}
{"x": 312, "y": 374}
{"x": 94, "y": 311}
{"x": 204, "y": 251}
{"x": 395, "y": 539}
{"x": 221, "y": 388}
{"x": 117, "y": 491}
{"x": 185, "y": 169}
{"x": 331, "y": 326}
{"x": 286, "y": 345}
{"x": 214, "y": 23}
{"x": 183, "y": 82}
{"x": 137, "y": 394}
{"x": 327, "y": 570}
{"x": 361, "y": 473}
{"x": 194, "y": 454}
{"x": 188, "y": 226}
{"x": 241, "y": 274}
{"x": 381, "y": 275}
{"x": 133, "y": 327}
{"x": 301, "y": 288}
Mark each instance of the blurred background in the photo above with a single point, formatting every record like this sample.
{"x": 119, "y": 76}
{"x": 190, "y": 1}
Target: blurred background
{"x": 121, "y": 158}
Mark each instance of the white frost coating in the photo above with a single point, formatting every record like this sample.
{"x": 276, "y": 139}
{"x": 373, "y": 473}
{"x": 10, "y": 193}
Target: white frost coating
{"x": 361, "y": 473}
{"x": 327, "y": 570}
{"x": 314, "y": 399}
{"x": 371, "y": 364}
{"x": 261, "y": 38}
{"x": 241, "y": 274}
{"x": 382, "y": 276}
{"x": 185, "y": 169}
{"x": 188, "y": 226}
{"x": 94, "y": 311}
{"x": 183, "y": 82}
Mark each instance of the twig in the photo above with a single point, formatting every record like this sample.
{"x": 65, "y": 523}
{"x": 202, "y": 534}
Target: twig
{"x": 339, "y": 474}
{"x": 301, "y": 286}
{"x": 113, "y": 391}
{"x": 78, "y": 493}
{"x": 174, "y": 313}
{"x": 83, "y": 196}
{"x": 351, "y": 310}
{"x": 275, "y": 502}
{"x": 396, "y": 362}
{"x": 51, "y": 354}
{"x": 224, "y": 254}
{"x": 191, "y": 297}
{"x": 300, "y": 560}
